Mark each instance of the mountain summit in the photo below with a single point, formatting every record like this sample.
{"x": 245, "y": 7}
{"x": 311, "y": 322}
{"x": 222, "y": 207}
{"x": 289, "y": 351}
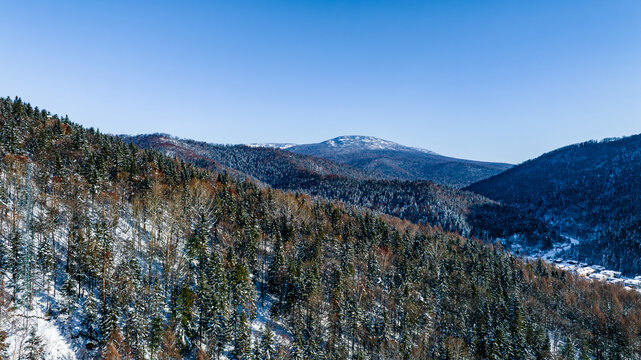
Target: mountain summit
{"x": 351, "y": 143}
{"x": 391, "y": 159}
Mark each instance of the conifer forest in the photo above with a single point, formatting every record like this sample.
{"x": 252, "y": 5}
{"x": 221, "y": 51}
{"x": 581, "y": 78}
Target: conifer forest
{"x": 131, "y": 254}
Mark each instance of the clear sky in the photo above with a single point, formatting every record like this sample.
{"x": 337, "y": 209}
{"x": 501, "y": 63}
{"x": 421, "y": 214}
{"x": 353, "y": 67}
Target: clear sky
{"x": 486, "y": 80}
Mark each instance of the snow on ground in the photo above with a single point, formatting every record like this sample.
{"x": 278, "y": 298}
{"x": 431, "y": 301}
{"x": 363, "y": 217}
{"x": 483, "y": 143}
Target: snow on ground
{"x": 590, "y": 272}
{"x": 55, "y": 345}
{"x": 556, "y": 249}
{"x": 281, "y": 335}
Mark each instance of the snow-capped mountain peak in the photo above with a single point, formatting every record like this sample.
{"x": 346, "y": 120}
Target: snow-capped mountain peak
{"x": 361, "y": 142}
{"x": 349, "y": 143}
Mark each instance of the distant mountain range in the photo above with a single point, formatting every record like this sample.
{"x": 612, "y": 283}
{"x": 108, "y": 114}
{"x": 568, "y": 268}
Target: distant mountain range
{"x": 388, "y": 159}
{"x": 421, "y": 201}
{"x": 591, "y": 190}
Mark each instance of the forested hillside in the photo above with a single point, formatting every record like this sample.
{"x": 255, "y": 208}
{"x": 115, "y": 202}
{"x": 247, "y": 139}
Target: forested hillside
{"x": 130, "y": 254}
{"x": 421, "y": 202}
{"x": 592, "y": 190}
{"x": 272, "y": 166}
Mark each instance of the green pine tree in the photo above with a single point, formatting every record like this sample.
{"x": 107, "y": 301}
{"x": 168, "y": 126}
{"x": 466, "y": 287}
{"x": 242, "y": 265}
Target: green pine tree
{"x": 34, "y": 347}
{"x": 266, "y": 350}
{"x": 15, "y": 261}
{"x": 567, "y": 352}
{"x": 242, "y": 339}
{"x": 155, "y": 334}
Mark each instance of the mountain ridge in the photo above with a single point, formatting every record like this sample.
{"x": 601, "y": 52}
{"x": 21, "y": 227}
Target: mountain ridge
{"x": 398, "y": 161}
{"x": 361, "y": 142}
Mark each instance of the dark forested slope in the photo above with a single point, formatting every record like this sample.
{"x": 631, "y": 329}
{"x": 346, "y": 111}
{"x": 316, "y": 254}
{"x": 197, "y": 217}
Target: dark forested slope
{"x": 592, "y": 189}
{"x": 272, "y": 166}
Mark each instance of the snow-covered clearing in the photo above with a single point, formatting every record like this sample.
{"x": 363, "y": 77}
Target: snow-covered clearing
{"x": 54, "y": 344}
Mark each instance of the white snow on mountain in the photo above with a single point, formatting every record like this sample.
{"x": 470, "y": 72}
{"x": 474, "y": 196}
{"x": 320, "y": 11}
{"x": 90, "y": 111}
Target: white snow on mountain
{"x": 351, "y": 142}
{"x": 360, "y": 142}
{"x": 281, "y": 146}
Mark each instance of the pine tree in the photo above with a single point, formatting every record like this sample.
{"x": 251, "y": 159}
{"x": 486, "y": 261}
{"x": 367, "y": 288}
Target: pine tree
{"x": 242, "y": 290}
{"x": 197, "y": 242}
{"x": 584, "y": 353}
{"x": 104, "y": 255}
{"x": 542, "y": 345}
{"x": 15, "y": 261}
{"x": 298, "y": 349}
{"x": 567, "y": 352}
{"x": 34, "y": 347}
{"x": 517, "y": 342}
{"x": 45, "y": 258}
{"x": 353, "y": 317}
{"x": 90, "y": 325}
{"x": 155, "y": 334}
{"x": 216, "y": 307}
{"x": 135, "y": 328}
{"x": 266, "y": 350}
{"x": 276, "y": 267}
{"x": 108, "y": 324}
{"x": 184, "y": 316}
{"x": 69, "y": 294}
{"x": 5, "y": 256}
{"x": 242, "y": 339}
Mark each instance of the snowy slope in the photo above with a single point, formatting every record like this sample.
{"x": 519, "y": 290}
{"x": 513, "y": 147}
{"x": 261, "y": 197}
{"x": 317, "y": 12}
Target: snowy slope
{"x": 55, "y": 322}
{"x": 54, "y": 344}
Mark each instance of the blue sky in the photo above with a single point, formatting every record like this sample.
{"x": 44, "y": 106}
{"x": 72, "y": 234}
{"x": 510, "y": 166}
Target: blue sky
{"x": 488, "y": 80}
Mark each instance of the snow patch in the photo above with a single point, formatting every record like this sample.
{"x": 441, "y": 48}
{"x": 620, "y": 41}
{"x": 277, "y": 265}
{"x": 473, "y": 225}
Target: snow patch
{"x": 55, "y": 345}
